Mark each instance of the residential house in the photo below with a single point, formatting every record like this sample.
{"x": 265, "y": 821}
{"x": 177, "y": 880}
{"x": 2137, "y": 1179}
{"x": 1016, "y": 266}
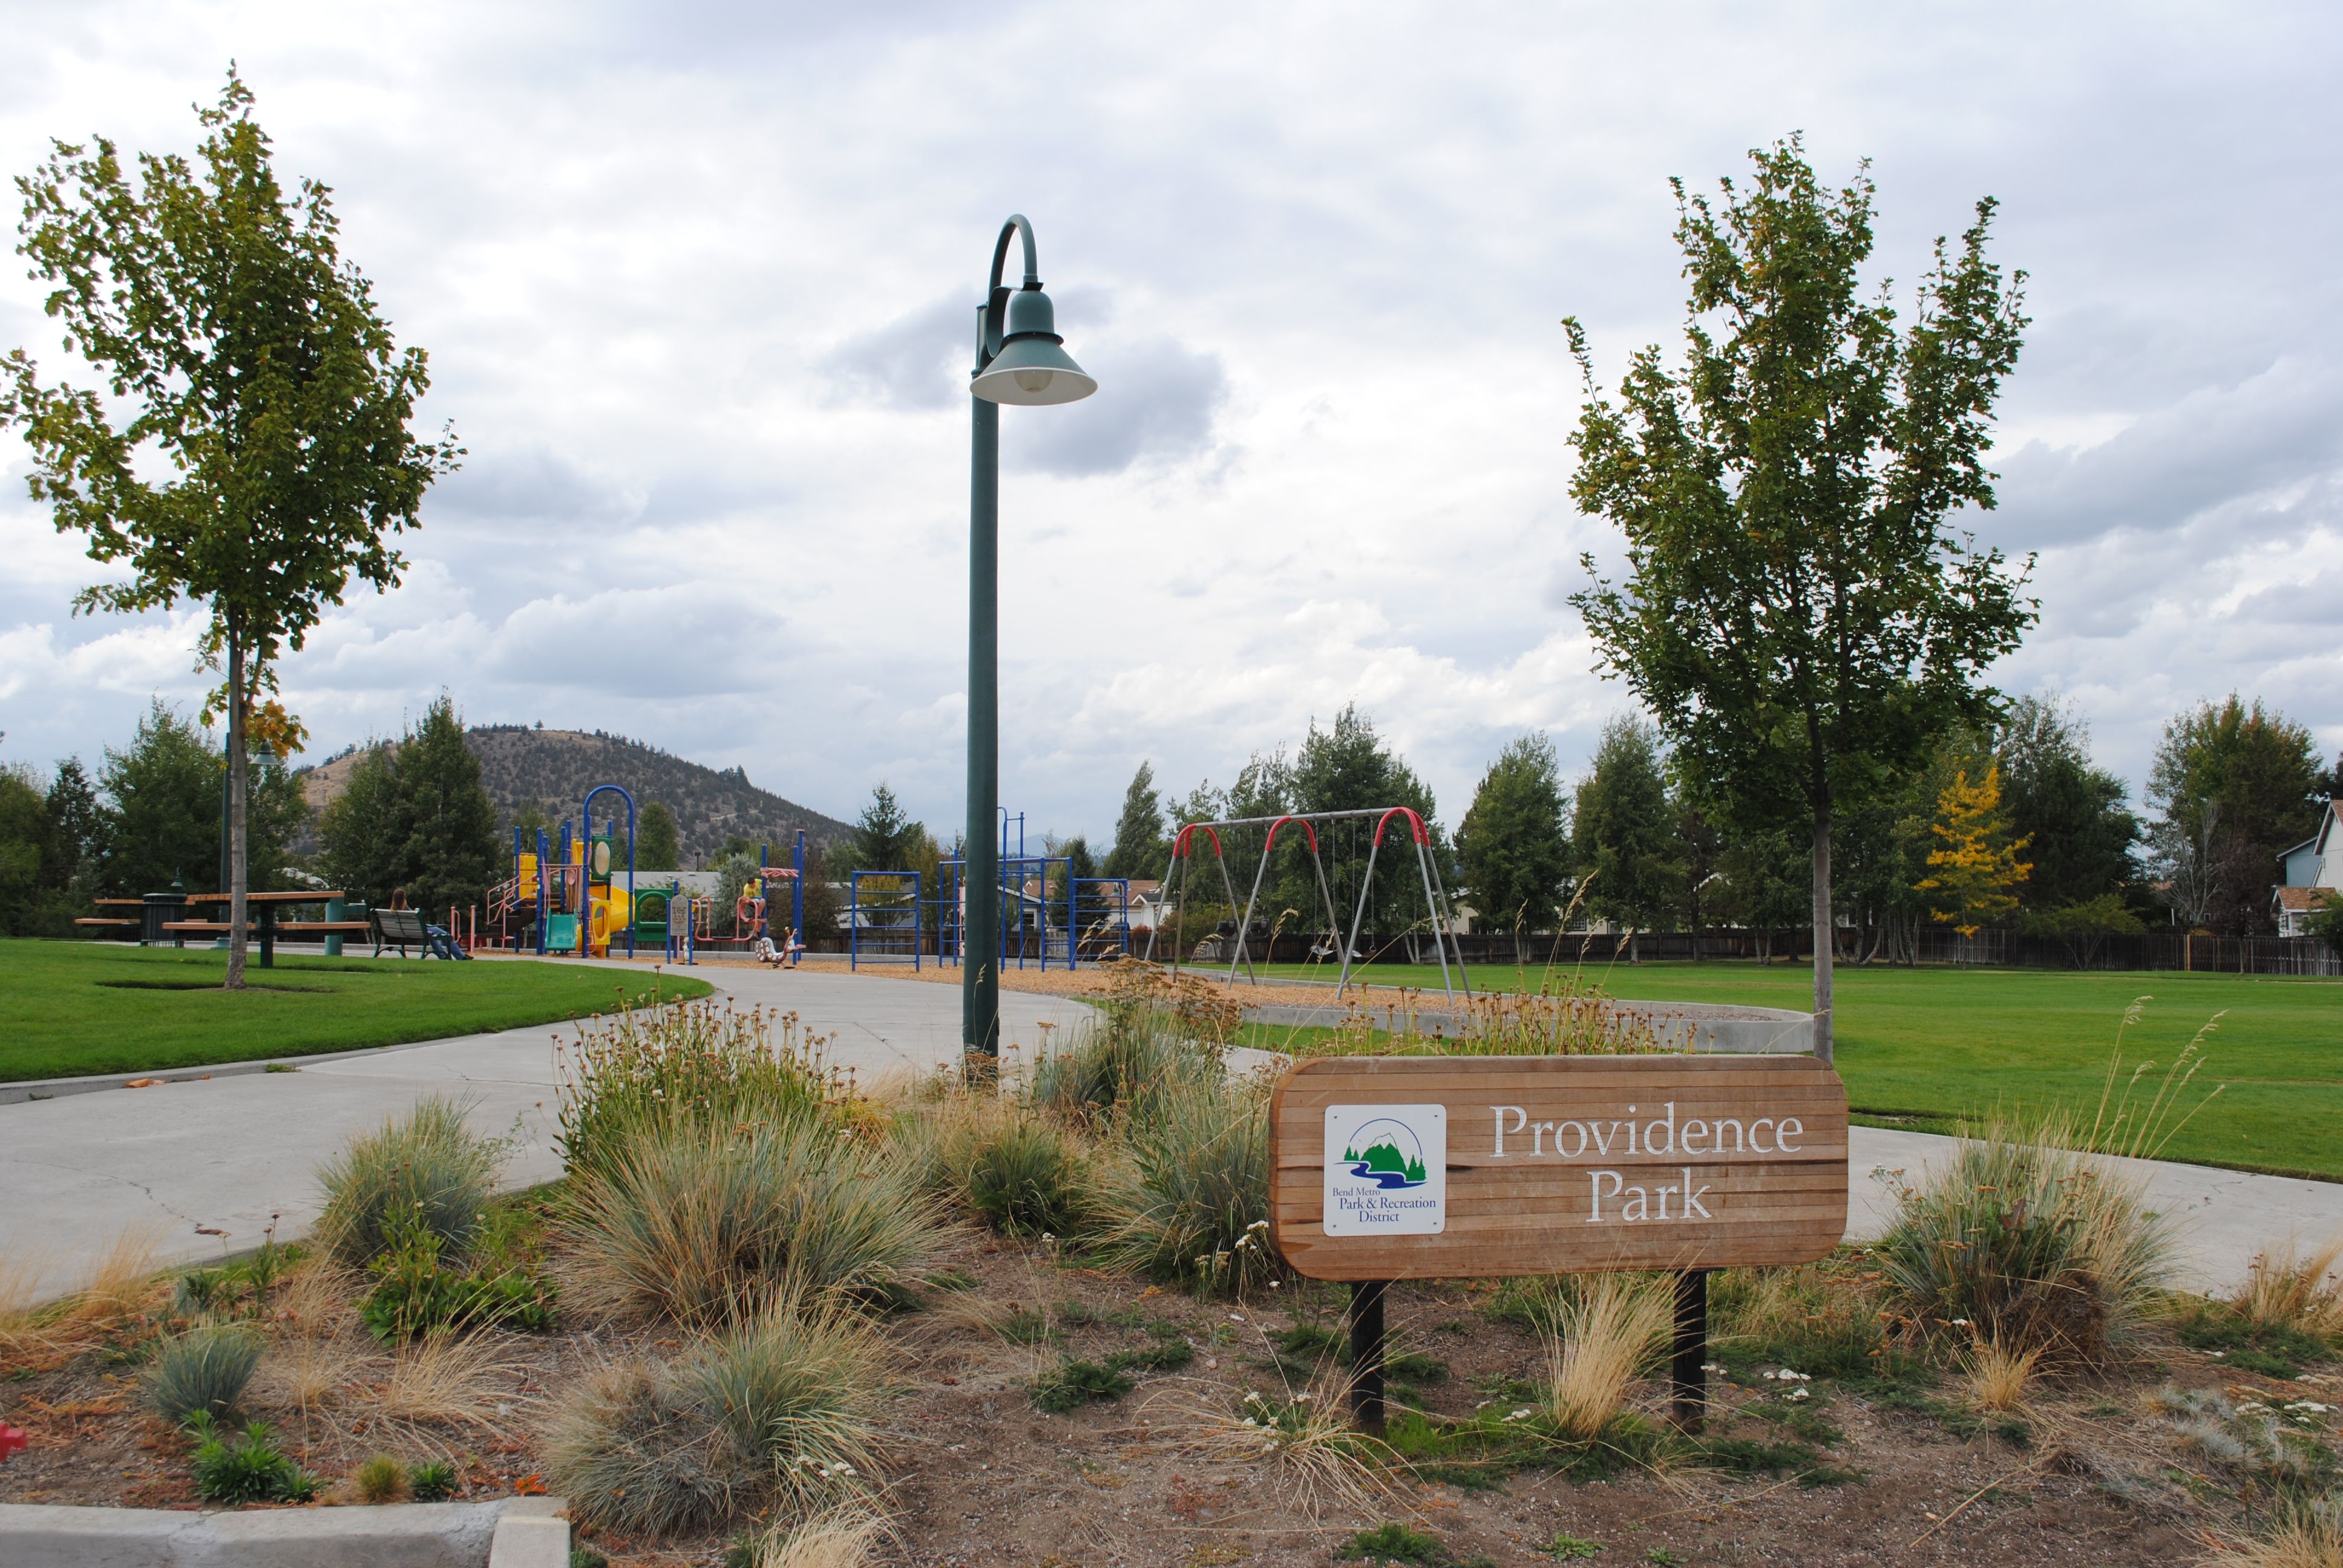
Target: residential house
{"x": 2312, "y": 873}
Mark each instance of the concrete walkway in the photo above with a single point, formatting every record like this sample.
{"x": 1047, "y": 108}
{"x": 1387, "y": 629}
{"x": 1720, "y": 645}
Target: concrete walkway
{"x": 204, "y": 1166}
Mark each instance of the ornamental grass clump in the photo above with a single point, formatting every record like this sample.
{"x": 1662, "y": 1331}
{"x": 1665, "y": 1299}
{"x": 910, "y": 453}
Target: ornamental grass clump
{"x": 2028, "y": 1246}
{"x": 705, "y": 1224}
{"x": 1608, "y": 1329}
{"x": 1193, "y": 1203}
{"x": 777, "y": 1416}
{"x": 1014, "y": 1169}
{"x": 641, "y": 1073}
{"x": 202, "y": 1371}
{"x": 1118, "y": 1068}
{"x": 426, "y": 1165}
{"x": 2296, "y": 1291}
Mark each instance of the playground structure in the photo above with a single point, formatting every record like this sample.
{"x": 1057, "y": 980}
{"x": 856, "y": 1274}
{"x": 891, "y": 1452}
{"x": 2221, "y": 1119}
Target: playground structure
{"x": 566, "y": 884}
{"x": 1048, "y": 917}
{"x": 565, "y": 895}
{"x": 1235, "y": 938}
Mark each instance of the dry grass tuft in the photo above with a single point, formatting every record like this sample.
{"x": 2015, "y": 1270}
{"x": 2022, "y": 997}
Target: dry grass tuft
{"x": 841, "y": 1537}
{"x": 2308, "y": 1539}
{"x": 2295, "y": 1291}
{"x": 38, "y": 1333}
{"x": 1305, "y": 1444}
{"x": 1605, "y": 1334}
{"x": 317, "y": 1298}
{"x": 442, "y": 1378}
{"x": 306, "y": 1374}
{"x": 1996, "y": 1377}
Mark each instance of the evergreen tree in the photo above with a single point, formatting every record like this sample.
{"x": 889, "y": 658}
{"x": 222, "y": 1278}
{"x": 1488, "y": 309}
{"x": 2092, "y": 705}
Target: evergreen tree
{"x": 885, "y": 839}
{"x": 364, "y": 831}
{"x": 76, "y": 828}
{"x": 165, "y": 794}
{"x": 655, "y": 841}
{"x": 2071, "y": 812}
{"x": 450, "y": 854}
{"x": 1624, "y": 830}
{"x": 1512, "y": 844}
{"x": 1140, "y": 846}
{"x": 1347, "y": 767}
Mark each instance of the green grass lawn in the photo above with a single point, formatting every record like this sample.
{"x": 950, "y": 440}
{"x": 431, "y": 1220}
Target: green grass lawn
{"x": 1925, "y": 1048}
{"x": 72, "y": 1008}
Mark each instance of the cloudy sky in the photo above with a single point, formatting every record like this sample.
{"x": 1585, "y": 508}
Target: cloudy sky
{"x": 696, "y": 281}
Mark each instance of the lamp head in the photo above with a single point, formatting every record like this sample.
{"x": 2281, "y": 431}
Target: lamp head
{"x": 1033, "y": 368}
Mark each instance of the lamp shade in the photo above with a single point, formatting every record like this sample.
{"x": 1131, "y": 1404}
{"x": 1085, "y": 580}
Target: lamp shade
{"x": 1033, "y": 368}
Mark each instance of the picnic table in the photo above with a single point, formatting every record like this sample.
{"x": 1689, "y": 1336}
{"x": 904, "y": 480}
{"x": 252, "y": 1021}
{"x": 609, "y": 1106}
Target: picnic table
{"x": 263, "y": 909}
{"x": 105, "y": 925}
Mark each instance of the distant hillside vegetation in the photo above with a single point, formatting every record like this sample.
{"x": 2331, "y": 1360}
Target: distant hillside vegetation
{"x": 555, "y": 768}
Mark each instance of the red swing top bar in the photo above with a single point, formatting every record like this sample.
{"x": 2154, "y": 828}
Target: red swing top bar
{"x": 1180, "y": 843}
{"x": 1414, "y": 823}
{"x": 1304, "y": 824}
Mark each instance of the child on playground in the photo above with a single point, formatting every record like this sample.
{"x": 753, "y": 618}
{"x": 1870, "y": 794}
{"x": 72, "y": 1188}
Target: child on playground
{"x": 786, "y": 953}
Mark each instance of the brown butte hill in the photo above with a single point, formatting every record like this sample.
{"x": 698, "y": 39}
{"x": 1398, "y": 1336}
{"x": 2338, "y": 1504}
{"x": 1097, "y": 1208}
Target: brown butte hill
{"x": 555, "y": 768}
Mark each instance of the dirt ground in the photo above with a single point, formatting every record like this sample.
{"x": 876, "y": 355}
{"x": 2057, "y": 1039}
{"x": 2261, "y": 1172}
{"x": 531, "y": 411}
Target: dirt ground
{"x": 2088, "y": 1472}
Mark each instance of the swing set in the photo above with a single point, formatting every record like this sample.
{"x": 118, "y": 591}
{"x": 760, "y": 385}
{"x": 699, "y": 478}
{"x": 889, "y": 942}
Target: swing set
{"x": 1439, "y": 913}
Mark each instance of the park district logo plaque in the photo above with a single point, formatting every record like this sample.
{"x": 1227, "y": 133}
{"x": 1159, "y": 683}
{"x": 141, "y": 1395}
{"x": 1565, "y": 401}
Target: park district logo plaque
{"x": 1386, "y": 1170}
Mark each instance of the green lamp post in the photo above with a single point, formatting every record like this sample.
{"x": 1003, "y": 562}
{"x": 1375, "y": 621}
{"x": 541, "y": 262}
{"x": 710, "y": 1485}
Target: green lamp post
{"x": 1021, "y": 360}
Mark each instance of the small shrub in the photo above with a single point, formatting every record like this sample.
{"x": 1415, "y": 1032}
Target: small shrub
{"x": 1400, "y": 1544}
{"x": 414, "y": 1294}
{"x": 433, "y": 1481}
{"x": 1997, "y": 1378}
{"x": 247, "y": 1468}
{"x": 1195, "y": 1204}
{"x": 1571, "y": 1548}
{"x": 380, "y": 1479}
{"x": 706, "y": 1225}
{"x": 774, "y": 1416}
{"x": 1072, "y": 1383}
{"x": 428, "y": 1163}
{"x": 2028, "y": 1244}
{"x": 202, "y": 1371}
{"x": 641, "y": 1075}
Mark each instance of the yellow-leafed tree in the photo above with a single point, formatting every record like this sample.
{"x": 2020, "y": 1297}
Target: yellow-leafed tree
{"x": 1974, "y": 869}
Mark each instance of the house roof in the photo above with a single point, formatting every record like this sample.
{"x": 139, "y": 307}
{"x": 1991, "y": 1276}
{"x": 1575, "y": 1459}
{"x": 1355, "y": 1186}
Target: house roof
{"x": 2327, "y": 825}
{"x": 2302, "y": 899}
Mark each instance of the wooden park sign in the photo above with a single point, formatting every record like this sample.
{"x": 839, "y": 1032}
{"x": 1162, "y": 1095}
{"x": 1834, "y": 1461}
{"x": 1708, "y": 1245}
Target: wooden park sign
{"x": 1453, "y": 1167}
{"x": 1465, "y": 1167}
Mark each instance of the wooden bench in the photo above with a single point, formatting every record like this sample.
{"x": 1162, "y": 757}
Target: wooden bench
{"x": 96, "y": 921}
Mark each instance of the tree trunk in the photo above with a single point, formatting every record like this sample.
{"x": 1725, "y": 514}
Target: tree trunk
{"x": 1823, "y": 943}
{"x": 237, "y": 770}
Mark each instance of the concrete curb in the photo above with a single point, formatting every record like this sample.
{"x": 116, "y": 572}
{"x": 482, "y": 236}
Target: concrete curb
{"x": 511, "y": 1533}
{"x": 22, "y": 1090}
{"x": 1693, "y": 1026}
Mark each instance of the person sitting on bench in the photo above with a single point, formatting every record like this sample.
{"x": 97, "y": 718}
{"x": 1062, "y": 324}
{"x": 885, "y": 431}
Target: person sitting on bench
{"x": 438, "y": 944}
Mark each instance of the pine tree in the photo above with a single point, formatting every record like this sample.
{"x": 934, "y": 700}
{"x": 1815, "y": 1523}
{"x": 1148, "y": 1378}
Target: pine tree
{"x": 1975, "y": 870}
{"x": 1140, "y": 846}
{"x": 450, "y": 856}
{"x": 1624, "y": 833}
{"x": 655, "y": 839}
{"x": 1514, "y": 844}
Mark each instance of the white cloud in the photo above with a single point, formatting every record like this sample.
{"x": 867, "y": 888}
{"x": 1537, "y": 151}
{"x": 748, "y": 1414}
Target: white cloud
{"x": 698, "y": 283}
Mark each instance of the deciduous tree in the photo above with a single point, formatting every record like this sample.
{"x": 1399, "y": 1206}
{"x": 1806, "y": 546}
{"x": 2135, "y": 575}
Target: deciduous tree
{"x": 265, "y": 457}
{"x": 2234, "y": 785}
{"x": 1799, "y": 615}
{"x": 1974, "y": 871}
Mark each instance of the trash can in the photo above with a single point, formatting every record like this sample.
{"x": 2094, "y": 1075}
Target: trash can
{"x": 161, "y": 910}
{"x": 335, "y": 910}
